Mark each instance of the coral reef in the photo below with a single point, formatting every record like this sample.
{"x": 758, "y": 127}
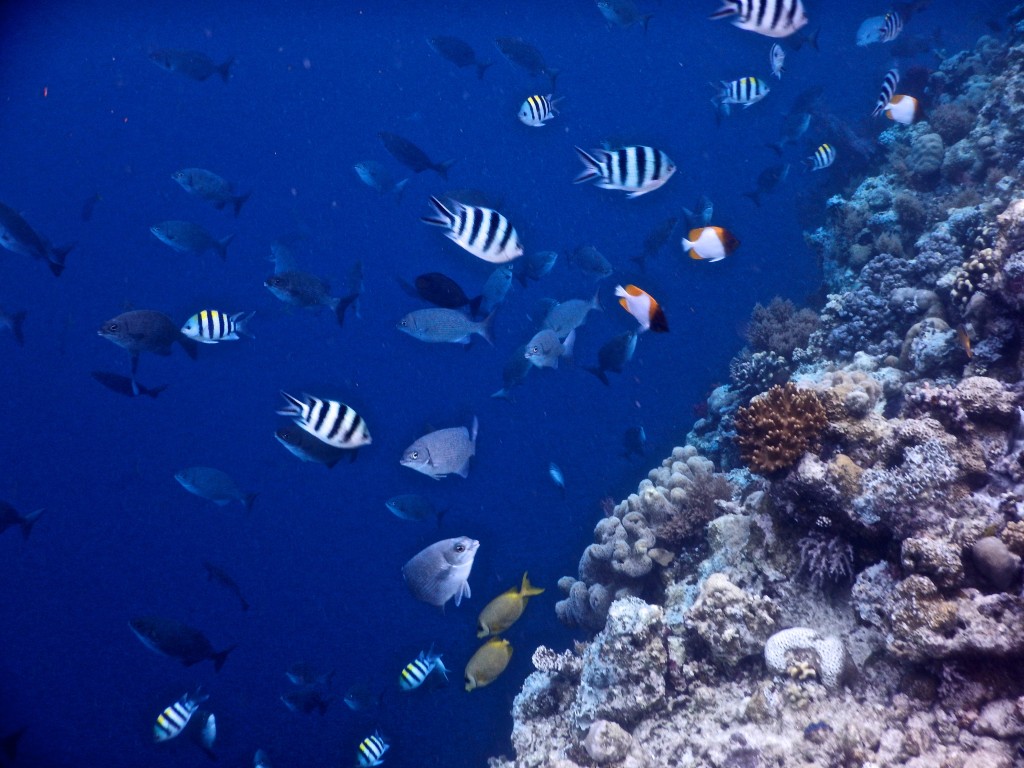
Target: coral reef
{"x": 777, "y": 428}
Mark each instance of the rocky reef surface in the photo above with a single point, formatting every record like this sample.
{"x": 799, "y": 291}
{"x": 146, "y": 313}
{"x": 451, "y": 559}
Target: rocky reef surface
{"x": 828, "y": 572}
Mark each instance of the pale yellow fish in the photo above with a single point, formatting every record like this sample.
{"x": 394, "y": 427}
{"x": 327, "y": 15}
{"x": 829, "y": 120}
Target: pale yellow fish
{"x": 487, "y": 663}
{"x": 504, "y": 610}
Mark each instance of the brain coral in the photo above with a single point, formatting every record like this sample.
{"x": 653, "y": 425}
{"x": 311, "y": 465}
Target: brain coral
{"x": 778, "y": 427}
{"x": 926, "y": 153}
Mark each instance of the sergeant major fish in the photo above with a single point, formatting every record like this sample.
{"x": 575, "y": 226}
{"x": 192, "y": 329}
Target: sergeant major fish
{"x": 210, "y": 187}
{"x": 483, "y": 232}
{"x": 773, "y": 18}
{"x": 537, "y": 110}
{"x": 172, "y": 721}
{"x": 822, "y": 158}
{"x": 18, "y": 237}
{"x": 416, "y": 672}
{"x": 504, "y": 610}
{"x": 889, "y": 83}
{"x": 408, "y": 154}
{"x": 192, "y": 64}
{"x": 444, "y": 325}
{"x": 209, "y": 326}
{"x": 187, "y": 237}
{"x": 371, "y": 751}
{"x": 440, "y": 572}
{"x": 302, "y": 289}
{"x": 442, "y": 452}
{"x": 178, "y": 641}
{"x": 458, "y": 52}
{"x": 637, "y": 170}
{"x": 213, "y": 485}
{"x": 331, "y": 421}
{"x": 746, "y": 91}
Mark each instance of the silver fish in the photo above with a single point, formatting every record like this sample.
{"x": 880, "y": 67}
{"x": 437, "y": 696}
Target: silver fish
{"x": 18, "y": 237}
{"x": 623, "y": 13}
{"x": 545, "y": 348}
{"x": 214, "y": 485}
{"x": 187, "y": 237}
{"x": 376, "y": 176}
{"x": 557, "y": 477}
{"x": 441, "y": 571}
{"x": 496, "y": 288}
{"x": 535, "y": 266}
{"x": 437, "y": 324}
{"x": 193, "y": 64}
{"x": 208, "y": 186}
{"x": 569, "y": 315}
{"x": 442, "y": 452}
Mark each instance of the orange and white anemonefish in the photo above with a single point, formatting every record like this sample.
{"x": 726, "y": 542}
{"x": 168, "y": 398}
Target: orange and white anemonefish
{"x": 710, "y": 243}
{"x": 643, "y": 307}
{"x": 904, "y": 109}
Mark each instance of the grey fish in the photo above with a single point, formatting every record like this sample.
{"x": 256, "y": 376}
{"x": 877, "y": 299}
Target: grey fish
{"x": 569, "y": 315}
{"x": 614, "y": 354}
{"x": 307, "y": 700}
{"x": 656, "y": 240}
{"x": 210, "y": 187}
{"x": 308, "y": 447}
{"x": 623, "y": 13}
{"x": 90, "y": 205}
{"x": 9, "y": 516}
{"x": 535, "y": 266}
{"x": 218, "y": 574}
{"x": 177, "y": 640}
{"x": 442, "y": 452}
{"x": 526, "y": 56}
{"x": 701, "y": 215}
{"x": 794, "y": 126}
{"x": 496, "y": 288}
{"x": 438, "y": 324}
{"x": 441, "y": 571}
{"x": 302, "y": 289}
{"x": 261, "y": 760}
{"x": 214, "y": 485}
{"x": 413, "y": 507}
{"x": 591, "y": 262}
{"x": 408, "y": 154}
{"x": 458, "y": 52}
{"x": 360, "y": 697}
{"x": 557, "y": 477}
{"x": 635, "y": 440}
{"x": 15, "y": 321}
{"x": 767, "y": 180}
{"x": 282, "y": 255}
{"x": 187, "y": 237}
{"x": 124, "y": 385}
{"x": 18, "y": 237}
{"x": 514, "y": 373}
{"x": 304, "y": 673}
{"x": 440, "y": 290}
{"x": 193, "y": 64}
{"x": 376, "y": 176}
{"x": 145, "y": 330}
{"x": 545, "y": 348}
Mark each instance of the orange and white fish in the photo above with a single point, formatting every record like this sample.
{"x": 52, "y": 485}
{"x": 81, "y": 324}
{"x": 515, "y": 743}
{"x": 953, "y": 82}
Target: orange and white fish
{"x": 904, "y": 109}
{"x": 643, "y": 307}
{"x": 710, "y": 243}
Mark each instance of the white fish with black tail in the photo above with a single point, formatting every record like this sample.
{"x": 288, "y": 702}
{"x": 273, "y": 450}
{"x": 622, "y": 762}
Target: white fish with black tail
{"x": 209, "y": 326}
{"x": 545, "y": 348}
{"x": 371, "y": 751}
{"x": 746, "y": 91}
{"x": 438, "y": 324}
{"x": 889, "y": 83}
{"x": 214, "y": 485}
{"x": 187, "y": 237}
{"x": 483, "y": 232}
{"x": 557, "y": 477}
{"x": 637, "y": 170}
{"x": 537, "y": 110}
{"x": 210, "y": 187}
{"x": 777, "y": 59}
{"x": 823, "y": 157}
{"x": 331, "y": 421}
{"x": 441, "y": 571}
{"x": 415, "y": 673}
{"x": 772, "y": 18}
{"x": 443, "y": 452}
{"x": 172, "y": 721}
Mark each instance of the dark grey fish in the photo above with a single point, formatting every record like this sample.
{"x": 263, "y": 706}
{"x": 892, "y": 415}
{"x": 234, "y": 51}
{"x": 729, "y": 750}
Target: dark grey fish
{"x": 9, "y": 743}
{"x": 635, "y": 441}
{"x": 514, "y": 373}
{"x": 591, "y": 261}
{"x": 408, "y": 154}
{"x": 304, "y": 673}
{"x": 614, "y": 354}
{"x": 15, "y": 321}
{"x": 214, "y": 485}
{"x": 535, "y": 266}
{"x": 767, "y": 180}
{"x": 496, "y": 288}
{"x": 193, "y": 64}
{"x": 187, "y": 237}
{"x": 309, "y": 447}
{"x": 526, "y": 56}
{"x": 218, "y": 574}
{"x": 210, "y": 187}
{"x": 441, "y": 571}
{"x": 376, "y": 176}
{"x": 145, "y": 330}
{"x": 305, "y": 290}
{"x": 656, "y": 240}
{"x": 9, "y": 516}
{"x": 794, "y": 126}
{"x": 124, "y": 385}
{"x": 701, "y": 215}
{"x": 458, "y": 52}
{"x": 90, "y": 205}
{"x": 441, "y": 291}
{"x": 307, "y": 700}
{"x": 18, "y": 237}
{"x": 623, "y": 13}
{"x": 177, "y": 640}
{"x": 413, "y": 507}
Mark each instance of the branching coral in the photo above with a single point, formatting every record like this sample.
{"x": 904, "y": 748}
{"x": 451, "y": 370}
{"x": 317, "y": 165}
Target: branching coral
{"x": 778, "y": 427}
{"x": 780, "y": 327}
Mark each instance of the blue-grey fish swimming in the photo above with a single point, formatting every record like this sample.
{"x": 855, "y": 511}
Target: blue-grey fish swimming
{"x": 440, "y": 572}
{"x": 214, "y": 485}
{"x": 439, "y": 325}
{"x": 514, "y": 373}
{"x": 177, "y": 640}
{"x": 145, "y": 330}
{"x": 18, "y": 237}
{"x": 458, "y": 52}
{"x": 376, "y": 176}
{"x": 16, "y": 322}
{"x": 188, "y": 237}
{"x": 535, "y": 266}
{"x": 219, "y": 575}
{"x": 307, "y": 700}
{"x": 124, "y": 385}
{"x": 614, "y": 354}
{"x": 9, "y": 517}
{"x": 304, "y": 673}
{"x": 623, "y": 13}
{"x": 566, "y": 316}
{"x": 411, "y": 156}
{"x": 191, "y": 64}
{"x": 210, "y": 187}
{"x": 442, "y": 452}
{"x": 526, "y": 57}
{"x": 412, "y": 506}
{"x": 545, "y": 348}
{"x": 302, "y": 289}
{"x": 591, "y": 262}
{"x": 308, "y": 447}
{"x": 496, "y": 288}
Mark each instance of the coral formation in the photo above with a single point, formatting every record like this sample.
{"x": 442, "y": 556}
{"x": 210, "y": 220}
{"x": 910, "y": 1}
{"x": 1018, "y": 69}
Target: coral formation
{"x": 777, "y": 428}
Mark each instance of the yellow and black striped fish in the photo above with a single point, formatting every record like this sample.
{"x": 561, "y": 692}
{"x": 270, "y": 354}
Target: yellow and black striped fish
{"x": 537, "y": 110}
{"x": 371, "y": 750}
{"x": 823, "y": 157}
{"x": 210, "y": 326}
{"x": 745, "y": 91}
{"x": 172, "y": 721}
{"x": 416, "y": 672}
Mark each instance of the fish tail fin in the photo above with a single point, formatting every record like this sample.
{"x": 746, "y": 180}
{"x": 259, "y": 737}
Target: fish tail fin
{"x": 294, "y": 407}
{"x": 220, "y": 657}
{"x": 777, "y": 146}
{"x": 240, "y": 319}
{"x": 153, "y": 391}
{"x": 812, "y": 38}
{"x": 474, "y": 305}
{"x": 399, "y": 187}
{"x": 526, "y": 589}
{"x": 189, "y": 345}
{"x": 481, "y": 67}
{"x": 645, "y": 20}
{"x": 568, "y": 345}
{"x": 441, "y": 217}
{"x": 553, "y": 76}
{"x": 474, "y": 430}
{"x": 28, "y": 521}
{"x": 729, "y": 8}
{"x": 591, "y": 169}
{"x": 225, "y": 69}
{"x": 486, "y": 328}
{"x": 755, "y": 196}
{"x": 17, "y": 326}
{"x": 221, "y": 245}
{"x": 504, "y": 394}
{"x": 440, "y": 667}
{"x": 239, "y": 200}
{"x": 342, "y": 306}
{"x": 57, "y": 256}
{"x": 595, "y": 303}
{"x": 599, "y": 372}
{"x": 249, "y": 499}
{"x": 442, "y": 168}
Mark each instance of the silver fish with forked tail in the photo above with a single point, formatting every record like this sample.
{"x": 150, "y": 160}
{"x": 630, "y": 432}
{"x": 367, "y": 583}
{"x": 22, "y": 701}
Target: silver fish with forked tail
{"x": 442, "y": 452}
{"x": 441, "y": 571}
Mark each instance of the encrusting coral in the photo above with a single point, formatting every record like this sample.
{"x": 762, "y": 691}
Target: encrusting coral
{"x": 778, "y": 427}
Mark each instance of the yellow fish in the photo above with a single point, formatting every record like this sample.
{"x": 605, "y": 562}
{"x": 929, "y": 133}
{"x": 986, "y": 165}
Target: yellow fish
{"x": 504, "y": 610}
{"x": 487, "y": 663}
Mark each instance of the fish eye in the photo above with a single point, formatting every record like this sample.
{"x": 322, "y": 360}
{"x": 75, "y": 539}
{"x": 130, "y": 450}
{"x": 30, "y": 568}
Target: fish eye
{"x": 460, "y": 548}
{"x": 112, "y": 328}
{"x": 414, "y": 455}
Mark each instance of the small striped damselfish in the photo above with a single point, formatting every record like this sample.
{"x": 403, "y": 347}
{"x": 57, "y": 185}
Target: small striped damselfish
{"x": 172, "y": 721}
{"x": 772, "y": 18}
{"x": 823, "y": 157}
{"x": 210, "y": 326}
{"x": 637, "y": 170}
{"x": 745, "y": 91}
{"x": 892, "y": 79}
{"x": 416, "y": 672}
{"x": 371, "y": 750}
{"x": 332, "y": 422}
{"x": 537, "y": 110}
{"x": 482, "y": 231}
{"x": 891, "y": 27}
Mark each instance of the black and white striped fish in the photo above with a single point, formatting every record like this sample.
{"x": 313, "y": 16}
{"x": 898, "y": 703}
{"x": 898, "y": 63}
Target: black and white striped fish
{"x": 210, "y": 326}
{"x": 637, "y": 170}
{"x": 332, "y": 422}
{"x": 537, "y": 110}
{"x": 415, "y": 673}
{"x": 172, "y": 721}
{"x": 892, "y": 25}
{"x": 482, "y": 231}
{"x": 773, "y": 18}
{"x": 823, "y": 157}
{"x": 371, "y": 750}
{"x": 745, "y": 91}
{"x": 892, "y": 79}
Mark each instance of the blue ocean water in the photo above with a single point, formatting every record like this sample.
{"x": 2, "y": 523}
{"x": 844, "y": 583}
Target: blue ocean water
{"x": 319, "y": 556}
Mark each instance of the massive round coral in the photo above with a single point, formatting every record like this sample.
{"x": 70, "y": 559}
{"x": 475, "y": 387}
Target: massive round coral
{"x": 778, "y": 427}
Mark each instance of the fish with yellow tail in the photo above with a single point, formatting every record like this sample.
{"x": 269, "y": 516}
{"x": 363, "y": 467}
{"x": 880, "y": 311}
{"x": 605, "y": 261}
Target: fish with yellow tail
{"x": 710, "y": 243}
{"x": 487, "y": 663}
{"x": 904, "y": 109}
{"x": 504, "y": 610}
{"x": 643, "y": 307}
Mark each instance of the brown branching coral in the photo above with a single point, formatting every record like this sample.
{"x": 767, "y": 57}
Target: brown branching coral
{"x": 775, "y": 429}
